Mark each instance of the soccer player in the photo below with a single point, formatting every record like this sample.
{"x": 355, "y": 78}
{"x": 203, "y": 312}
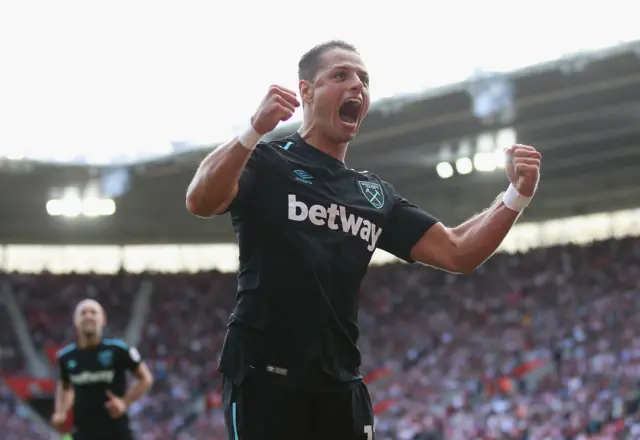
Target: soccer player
{"x": 93, "y": 379}
{"x": 307, "y": 226}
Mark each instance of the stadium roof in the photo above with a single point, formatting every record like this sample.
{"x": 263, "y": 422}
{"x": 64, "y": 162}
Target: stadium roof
{"x": 170, "y": 78}
{"x": 582, "y": 113}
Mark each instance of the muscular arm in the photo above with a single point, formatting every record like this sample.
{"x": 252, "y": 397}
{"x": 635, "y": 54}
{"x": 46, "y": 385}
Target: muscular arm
{"x": 64, "y": 397}
{"x": 143, "y": 383}
{"x": 215, "y": 184}
{"x": 465, "y": 247}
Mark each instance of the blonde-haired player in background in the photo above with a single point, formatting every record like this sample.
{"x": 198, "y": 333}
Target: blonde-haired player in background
{"x": 93, "y": 379}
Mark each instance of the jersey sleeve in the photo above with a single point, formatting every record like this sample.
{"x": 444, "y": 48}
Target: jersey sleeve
{"x": 132, "y": 358}
{"x": 64, "y": 373}
{"x": 405, "y": 226}
{"x": 262, "y": 160}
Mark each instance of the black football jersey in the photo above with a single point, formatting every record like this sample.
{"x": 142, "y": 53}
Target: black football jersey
{"x": 307, "y": 226}
{"x": 91, "y": 372}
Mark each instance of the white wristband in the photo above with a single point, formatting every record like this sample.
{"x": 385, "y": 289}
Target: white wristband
{"x": 515, "y": 201}
{"x": 249, "y": 137}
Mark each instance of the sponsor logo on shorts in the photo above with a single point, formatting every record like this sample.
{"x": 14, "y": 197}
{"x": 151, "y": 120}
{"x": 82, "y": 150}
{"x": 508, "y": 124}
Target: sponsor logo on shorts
{"x": 277, "y": 370}
{"x": 335, "y": 217}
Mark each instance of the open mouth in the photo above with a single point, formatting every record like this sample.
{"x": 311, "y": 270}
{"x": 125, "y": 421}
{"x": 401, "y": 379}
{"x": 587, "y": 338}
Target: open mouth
{"x": 350, "y": 111}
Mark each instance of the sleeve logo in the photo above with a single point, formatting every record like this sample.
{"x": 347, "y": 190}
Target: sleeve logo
{"x": 134, "y": 354}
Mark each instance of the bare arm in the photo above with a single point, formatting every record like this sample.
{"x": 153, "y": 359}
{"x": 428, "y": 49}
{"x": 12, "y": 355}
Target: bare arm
{"x": 143, "y": 383}
{"x": 65, "y": 397}
{"x": 215, "y": 184}
{"x": 463, "y": 248}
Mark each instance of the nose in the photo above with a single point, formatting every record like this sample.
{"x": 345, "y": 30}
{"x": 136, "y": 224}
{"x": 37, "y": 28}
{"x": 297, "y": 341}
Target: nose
{"x": 356, "y": 83}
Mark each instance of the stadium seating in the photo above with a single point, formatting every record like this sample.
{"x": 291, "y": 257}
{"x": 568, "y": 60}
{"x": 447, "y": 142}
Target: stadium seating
{"x": 540, "y": 345}
{"x": 13, "y": 423}
{"x": 48, "y": 302}
{"x": 11, "y": 360}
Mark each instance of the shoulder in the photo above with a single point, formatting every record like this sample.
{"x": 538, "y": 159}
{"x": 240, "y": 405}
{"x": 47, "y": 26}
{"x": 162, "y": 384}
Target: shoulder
{"x": 65, "y": 351}
{"x": 275, "y": 147}
{"x": 123, "y": 347}
{"x": 281, "y": 144}
{"x": 267, "y": 155}
{"x": 368, "y": 175}
{"x": 272, "y": 154}
{"x": 115, "y": 343}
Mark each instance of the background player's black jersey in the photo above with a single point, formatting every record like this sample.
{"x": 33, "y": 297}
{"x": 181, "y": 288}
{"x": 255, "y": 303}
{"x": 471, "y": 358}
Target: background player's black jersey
{"x": 307, "y": 227}
{"x": 91, "y": 372}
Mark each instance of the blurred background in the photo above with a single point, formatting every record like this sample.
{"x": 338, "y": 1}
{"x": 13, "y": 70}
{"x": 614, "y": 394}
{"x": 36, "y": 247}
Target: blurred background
{"x": 106, "y": 110}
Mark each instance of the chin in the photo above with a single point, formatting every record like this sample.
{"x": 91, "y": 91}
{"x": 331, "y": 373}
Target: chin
{"x": 341, "y": 138}
{"x": 346, "y": 133}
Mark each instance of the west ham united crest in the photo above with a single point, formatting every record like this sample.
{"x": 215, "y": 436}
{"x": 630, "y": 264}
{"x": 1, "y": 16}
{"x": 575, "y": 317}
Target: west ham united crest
{"x": 105, "y": 358}
{"x": 373, "y": 193}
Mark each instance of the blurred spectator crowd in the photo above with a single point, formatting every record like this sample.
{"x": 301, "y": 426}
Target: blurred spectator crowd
{"x": 14, "y": 423}
{"x": 544, "y": 345}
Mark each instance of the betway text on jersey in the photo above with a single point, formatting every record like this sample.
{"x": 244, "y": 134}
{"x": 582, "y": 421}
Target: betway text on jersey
{"x": 335, "y": 217}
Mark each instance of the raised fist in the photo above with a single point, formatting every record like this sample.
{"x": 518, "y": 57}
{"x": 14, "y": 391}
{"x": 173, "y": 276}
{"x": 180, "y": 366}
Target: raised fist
{"x": 523, "y": 168}
{"x": 278, "y": 105}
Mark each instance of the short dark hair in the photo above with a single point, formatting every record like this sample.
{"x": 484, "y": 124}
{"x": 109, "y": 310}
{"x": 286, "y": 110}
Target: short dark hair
{"x": 308, "y": 66}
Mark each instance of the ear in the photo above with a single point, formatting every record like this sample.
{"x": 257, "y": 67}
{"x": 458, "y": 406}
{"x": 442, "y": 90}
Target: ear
{"x": 306, "y": 91}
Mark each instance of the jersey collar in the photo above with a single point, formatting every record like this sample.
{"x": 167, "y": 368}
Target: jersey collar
{"x": 313, "y": 151}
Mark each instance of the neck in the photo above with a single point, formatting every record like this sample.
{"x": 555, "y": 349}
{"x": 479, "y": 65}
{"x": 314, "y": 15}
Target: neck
{"x": 89, "y": 341}
{"x": 320, "y": 141}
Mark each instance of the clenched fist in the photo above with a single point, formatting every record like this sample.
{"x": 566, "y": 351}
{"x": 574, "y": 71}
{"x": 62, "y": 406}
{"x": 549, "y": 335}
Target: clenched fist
{"x": 278, "y": 105}
{"x": 523, "y": 168}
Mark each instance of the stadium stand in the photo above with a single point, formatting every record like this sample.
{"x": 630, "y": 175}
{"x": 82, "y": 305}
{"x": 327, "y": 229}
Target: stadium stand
{"x": 14, "y": 424}
{"x": 48, "y": 321}
{"x": 11, "y": 360}
{"x": 537, "y": 345}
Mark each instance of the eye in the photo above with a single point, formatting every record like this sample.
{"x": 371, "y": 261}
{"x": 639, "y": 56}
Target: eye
{"x": 340, "y": 74}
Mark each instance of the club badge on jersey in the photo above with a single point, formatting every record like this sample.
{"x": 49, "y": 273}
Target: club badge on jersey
{"x": 372, "y": 192}
{"x": 105, "y": 357}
